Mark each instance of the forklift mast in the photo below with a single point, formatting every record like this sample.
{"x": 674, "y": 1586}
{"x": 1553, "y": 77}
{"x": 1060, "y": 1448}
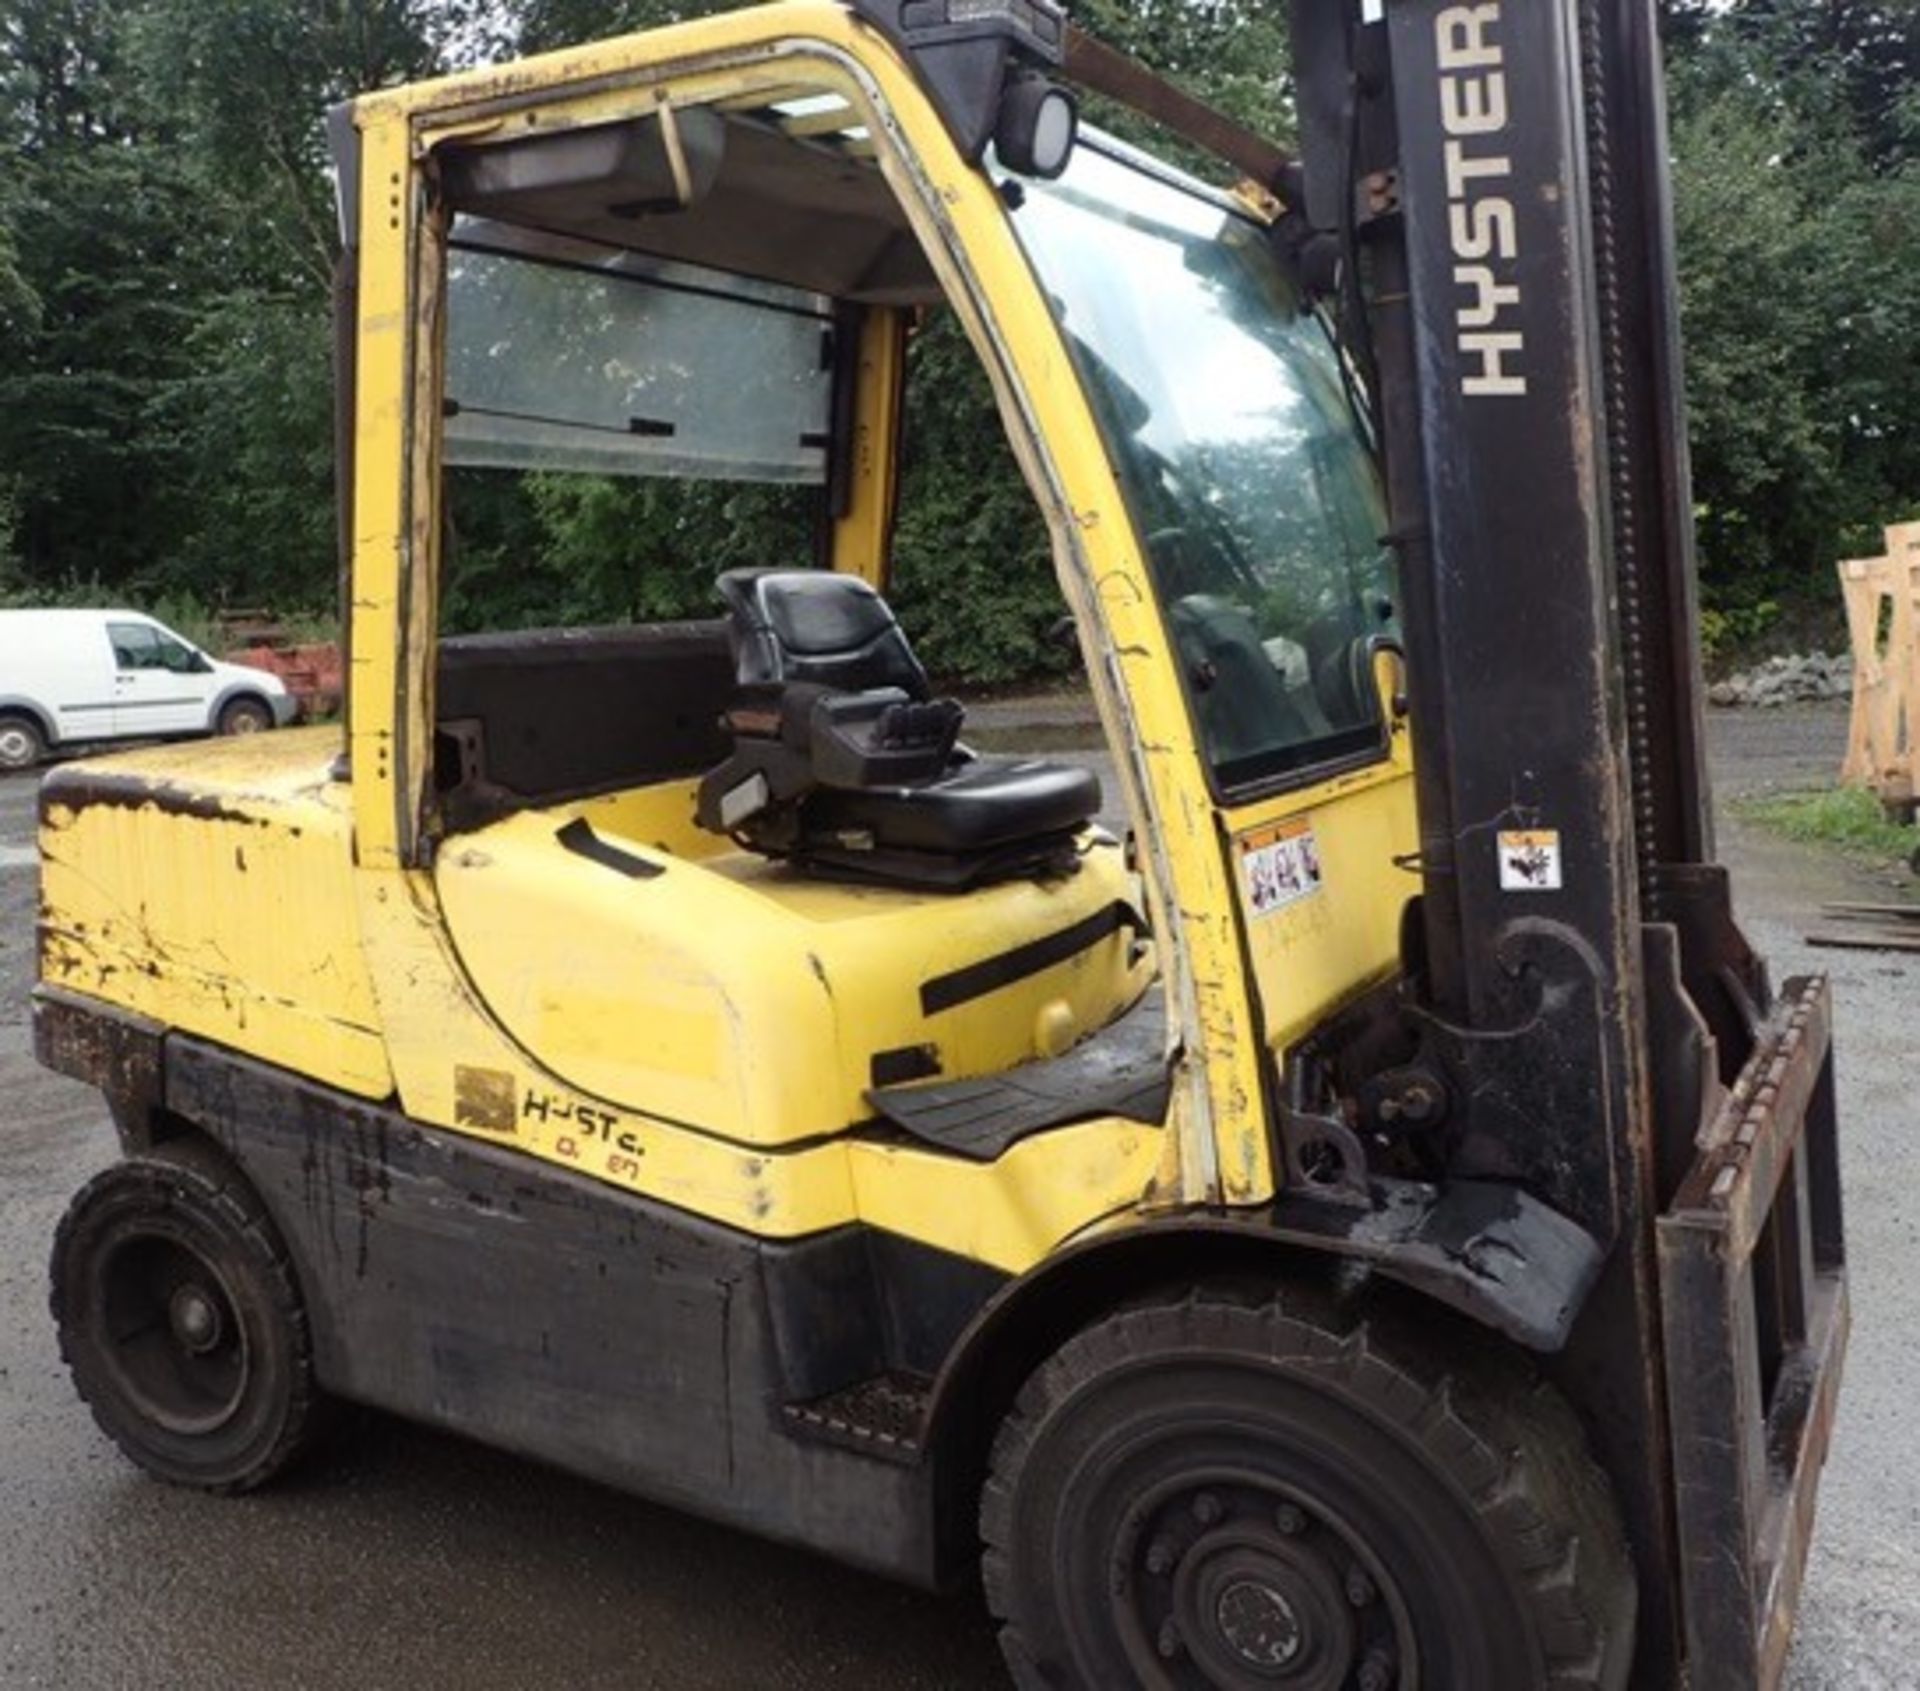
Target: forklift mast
{"x": 1487, "y": 184}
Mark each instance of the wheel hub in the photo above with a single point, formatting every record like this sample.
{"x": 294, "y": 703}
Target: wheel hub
{"x": 173, "y": 1337}
{"x": 1252, "y": 1606}
{"x": 1238, "y": 1583}
{"x": 1258, "y": 1622}
{"x": 195, "y": 1318}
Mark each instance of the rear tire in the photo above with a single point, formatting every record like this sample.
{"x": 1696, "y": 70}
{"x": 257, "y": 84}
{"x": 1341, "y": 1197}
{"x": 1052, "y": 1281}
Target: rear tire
{"x": 180, "y": 1319}
{"x": 245, "y": 716}
{"x": 22, "y": 742}
{"x": 1205, "y": 1493}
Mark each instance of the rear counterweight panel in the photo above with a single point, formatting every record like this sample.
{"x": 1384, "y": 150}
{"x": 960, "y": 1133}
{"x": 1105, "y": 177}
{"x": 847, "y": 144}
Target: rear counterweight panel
{"x": 467, "y": 1288}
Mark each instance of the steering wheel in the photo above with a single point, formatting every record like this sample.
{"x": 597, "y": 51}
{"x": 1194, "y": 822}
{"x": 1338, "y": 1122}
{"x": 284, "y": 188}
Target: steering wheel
{"x": 1168, "y": 544}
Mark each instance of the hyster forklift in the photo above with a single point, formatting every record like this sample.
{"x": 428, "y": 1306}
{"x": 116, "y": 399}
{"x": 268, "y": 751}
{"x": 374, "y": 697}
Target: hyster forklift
{"x": 1372, "y": 1226}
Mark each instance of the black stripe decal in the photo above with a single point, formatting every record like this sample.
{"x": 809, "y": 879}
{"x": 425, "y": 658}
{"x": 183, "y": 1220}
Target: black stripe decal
{"x": 133, "y": 704}
{"x": 943, "y": 992}
{"x": 138, "y": 704}
{"x": 580, "y": 839}
{"x": 908, "y": 1063}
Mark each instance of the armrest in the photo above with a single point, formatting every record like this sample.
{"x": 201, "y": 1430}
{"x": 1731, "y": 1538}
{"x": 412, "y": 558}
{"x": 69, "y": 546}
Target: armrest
{"x": 881, "y": 739}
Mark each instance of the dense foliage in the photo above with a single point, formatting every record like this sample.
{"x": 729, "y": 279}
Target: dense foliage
{"x": 166, "y": 242}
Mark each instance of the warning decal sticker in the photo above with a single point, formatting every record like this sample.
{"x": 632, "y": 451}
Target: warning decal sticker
{"x": 1281, "y": 864}
{"x": 1530, "y": 860}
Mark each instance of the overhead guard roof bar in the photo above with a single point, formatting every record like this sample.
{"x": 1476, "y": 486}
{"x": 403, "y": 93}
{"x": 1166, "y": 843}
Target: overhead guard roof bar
{"x": 1101, "y": 69}
{"x": 966, "y": 50}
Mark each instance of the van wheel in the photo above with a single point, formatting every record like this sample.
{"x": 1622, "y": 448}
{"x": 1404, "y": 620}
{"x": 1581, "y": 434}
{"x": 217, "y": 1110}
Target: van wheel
{"x": 179, "y": 1317}
{"x": 245, "y": 716}
{"x": 22, "y": 744}
{"x": 1205, "y": 1493}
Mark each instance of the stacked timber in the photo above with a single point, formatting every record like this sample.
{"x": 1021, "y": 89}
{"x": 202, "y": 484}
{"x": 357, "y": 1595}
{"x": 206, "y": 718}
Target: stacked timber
{"x": 1883, "y": 620}
{"x": 1869, "y": 927}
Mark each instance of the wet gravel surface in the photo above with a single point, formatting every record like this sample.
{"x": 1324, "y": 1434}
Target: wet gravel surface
{"x": 407, "y": 1559}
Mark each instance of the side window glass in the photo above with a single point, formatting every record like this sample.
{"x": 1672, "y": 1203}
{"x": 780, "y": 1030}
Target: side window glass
{"x": 174, "y": 655}
{"x": 135, "y": 645}
{"x": 620, "y": 429}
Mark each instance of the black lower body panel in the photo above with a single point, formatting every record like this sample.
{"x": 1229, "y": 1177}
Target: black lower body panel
{"x": 464, "y": 1286}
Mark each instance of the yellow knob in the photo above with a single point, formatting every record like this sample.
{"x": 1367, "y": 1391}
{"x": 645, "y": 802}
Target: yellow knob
{"x": 1054, "y": 1029}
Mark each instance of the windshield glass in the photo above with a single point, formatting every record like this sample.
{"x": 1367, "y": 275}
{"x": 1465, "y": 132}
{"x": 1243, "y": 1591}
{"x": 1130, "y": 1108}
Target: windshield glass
{"x": 1224, "y": 408}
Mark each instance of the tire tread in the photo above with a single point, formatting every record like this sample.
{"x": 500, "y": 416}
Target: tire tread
{"x": 223, "y": 1189}
{"x": 1507, "y": 1443}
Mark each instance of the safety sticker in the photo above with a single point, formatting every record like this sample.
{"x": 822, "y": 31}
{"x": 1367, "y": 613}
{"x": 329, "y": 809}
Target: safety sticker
{"x": 1530, "y": 860}
{"x": 1282, "y": 865}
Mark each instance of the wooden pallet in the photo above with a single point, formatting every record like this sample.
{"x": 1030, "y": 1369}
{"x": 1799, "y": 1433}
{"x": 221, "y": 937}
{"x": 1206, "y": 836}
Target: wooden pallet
{"x": 1883, "y": 619}
{"x": 1869, "y": 927}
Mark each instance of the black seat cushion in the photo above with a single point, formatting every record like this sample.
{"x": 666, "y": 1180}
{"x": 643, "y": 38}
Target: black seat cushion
{"x": 986, "y": 805}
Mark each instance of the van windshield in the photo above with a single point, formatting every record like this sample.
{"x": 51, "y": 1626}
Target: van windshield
{"x": 1224, "y": 407}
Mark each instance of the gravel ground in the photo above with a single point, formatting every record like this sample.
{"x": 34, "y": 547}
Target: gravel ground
{"x": 407, "y": 1559}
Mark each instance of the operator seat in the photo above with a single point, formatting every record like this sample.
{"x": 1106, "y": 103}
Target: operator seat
{"x": 845, "y": 764}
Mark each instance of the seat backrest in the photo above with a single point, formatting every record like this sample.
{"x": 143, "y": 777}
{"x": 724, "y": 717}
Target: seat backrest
{"x": 814, "y": 626}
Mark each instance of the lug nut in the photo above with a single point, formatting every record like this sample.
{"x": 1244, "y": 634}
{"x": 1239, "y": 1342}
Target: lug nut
{"x": 1160, "y": 1556}
{"x": 1376, "y": 1672}
{"x": 1359, "y": 1588}
{"x": 1170, "y": 1644}
{"x": 1289, "y": 1519}
{"x": 1206, "y": 1509}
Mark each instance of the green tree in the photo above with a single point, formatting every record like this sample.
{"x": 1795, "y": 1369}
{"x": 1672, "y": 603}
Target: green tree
{"x": 542, "y": 24}
{"x": 103, "y": 284}
{"x": 973, "y": 571}
{"x": 1798, "y": 211}
{"x": 167, "y": 235}
{"x": 167, "y": 240}
{"x": 1767, "y": 443}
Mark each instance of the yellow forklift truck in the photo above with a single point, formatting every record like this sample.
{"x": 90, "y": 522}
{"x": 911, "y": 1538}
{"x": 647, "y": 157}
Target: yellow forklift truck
{"x": 1374, "y": 1227}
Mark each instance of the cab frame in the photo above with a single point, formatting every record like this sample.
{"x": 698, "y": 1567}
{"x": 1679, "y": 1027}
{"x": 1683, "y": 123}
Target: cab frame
{"x": 1221, "y": 1140}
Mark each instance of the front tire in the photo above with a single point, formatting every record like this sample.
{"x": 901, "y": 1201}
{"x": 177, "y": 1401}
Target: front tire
{"x": 1204, "y": 1493}
{"x": 179, "y": 1317}
{"x": 244, "y": 716}
{"x": 22, "y": 744}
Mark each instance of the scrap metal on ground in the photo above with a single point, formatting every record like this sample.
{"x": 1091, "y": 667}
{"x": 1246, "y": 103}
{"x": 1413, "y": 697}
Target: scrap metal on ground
{"x": 312, "y": 671}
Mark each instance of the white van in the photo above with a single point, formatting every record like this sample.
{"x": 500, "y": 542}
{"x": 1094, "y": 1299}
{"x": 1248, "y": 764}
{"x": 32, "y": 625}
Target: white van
{"x": 71, "y": 677}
